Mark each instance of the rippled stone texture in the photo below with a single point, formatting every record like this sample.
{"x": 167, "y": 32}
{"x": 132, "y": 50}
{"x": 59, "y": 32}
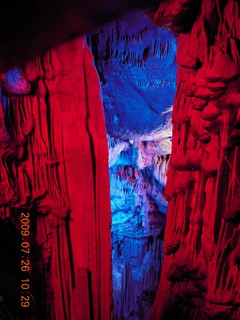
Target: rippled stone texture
{"x": 54, "y": 164}
{"x": 200, "y": 277}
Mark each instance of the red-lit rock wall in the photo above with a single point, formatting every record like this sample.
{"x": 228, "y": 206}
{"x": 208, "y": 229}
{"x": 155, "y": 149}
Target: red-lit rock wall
{"x": 54, "y": 164}
{"x": 201, "y": 269}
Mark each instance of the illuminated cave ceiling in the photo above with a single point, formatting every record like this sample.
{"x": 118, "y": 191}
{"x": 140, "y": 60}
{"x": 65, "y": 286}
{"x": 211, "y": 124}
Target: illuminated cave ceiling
{"x": 136, "y": 63}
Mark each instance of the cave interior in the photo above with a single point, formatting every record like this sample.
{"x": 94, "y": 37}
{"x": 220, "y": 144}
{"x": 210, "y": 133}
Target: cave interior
{"x": 120, "y": 160}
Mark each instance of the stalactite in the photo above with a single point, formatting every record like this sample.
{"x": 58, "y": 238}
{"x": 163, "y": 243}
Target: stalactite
{"x": 138, "y": 221}
{"x": 137, "y": 68}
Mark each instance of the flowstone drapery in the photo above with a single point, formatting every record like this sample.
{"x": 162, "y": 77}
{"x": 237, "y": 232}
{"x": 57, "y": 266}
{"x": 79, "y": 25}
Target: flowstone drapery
{"x": 200, "y": 277}
{"x": 54, "y": 165}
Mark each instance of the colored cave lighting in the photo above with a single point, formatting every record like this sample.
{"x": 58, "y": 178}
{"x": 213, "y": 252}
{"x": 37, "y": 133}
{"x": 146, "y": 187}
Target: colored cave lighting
{"x": 14, "y": 82}
{"x": 137, "y": 69}
{"x": 138, "y": 219}
{"x": 136, "y": 62}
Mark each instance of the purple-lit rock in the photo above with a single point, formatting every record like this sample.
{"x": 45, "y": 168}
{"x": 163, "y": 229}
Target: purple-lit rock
{"x": 137, "y": 68}
{"x": 136, "y": 64}
{"x": 138, "y": 176}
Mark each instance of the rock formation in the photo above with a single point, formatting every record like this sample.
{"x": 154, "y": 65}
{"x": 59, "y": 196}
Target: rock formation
{"x": 54, "y": 165}
{"x": 136, "y": 63}
{"x": 200, "y": 277}
{"x": 137, "y": 180}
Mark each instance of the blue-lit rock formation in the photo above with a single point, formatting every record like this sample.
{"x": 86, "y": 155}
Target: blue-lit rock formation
{"x": 138, "y": 220}
{"x": 137, "y": 68}
{"x": 136, "y": 64}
